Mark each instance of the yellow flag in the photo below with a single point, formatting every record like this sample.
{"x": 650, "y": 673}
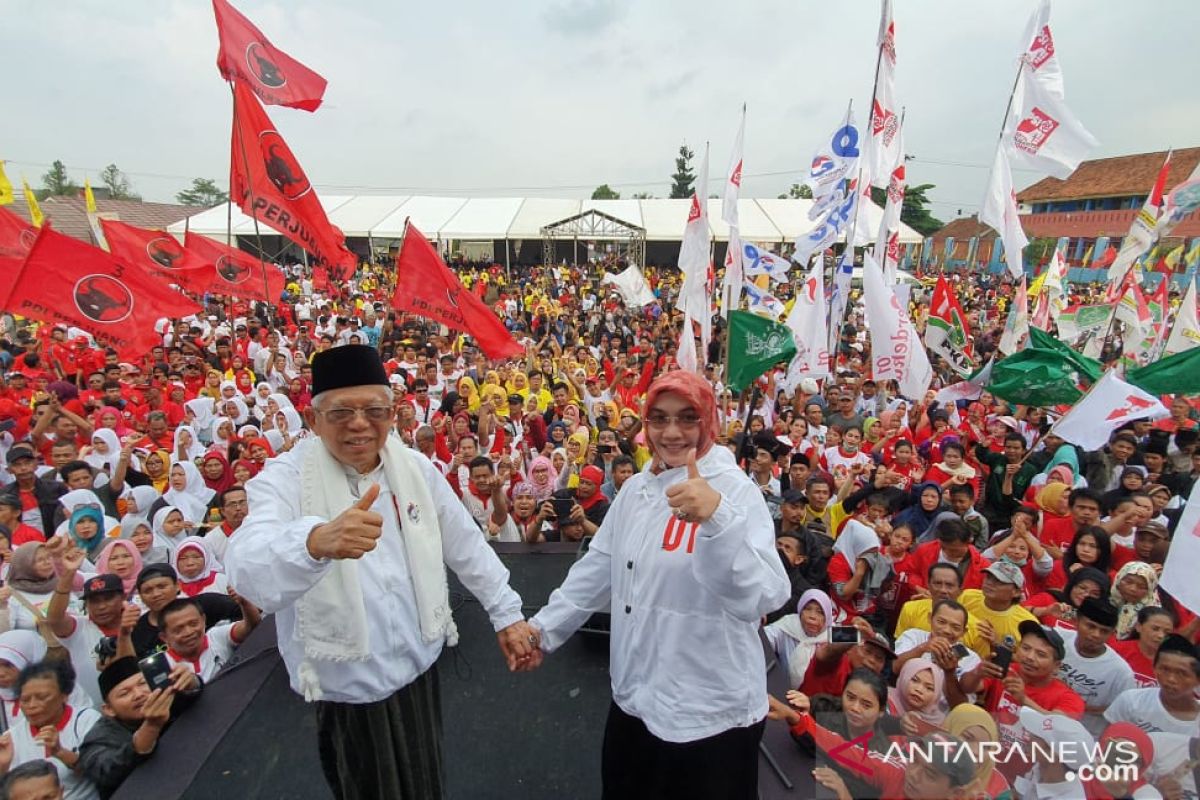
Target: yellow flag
{"x": 1193, "y": 254}
{"x": 1174, "y": 257}
{"x": 1087, "y": 255}
{"x": 6, "y": 189}
{"x": 1035, "y": 288}
{"x": 88, "y": 197}
{"x": 35, "y": 211}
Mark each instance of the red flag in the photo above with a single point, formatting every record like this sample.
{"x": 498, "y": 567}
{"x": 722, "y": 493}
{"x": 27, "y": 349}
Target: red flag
{"x": 426, "y": 286}
{"x": 65, "y": 280}
{"x": 1110, "y": 255}
{"x": 269, "y": 184}
{"x": 238, "y": 272}
{"x": 159, "y": 253}
{"x": 248, "y": 57}
{"x": 320, "y": 279}
{"x": 16, "y": 236}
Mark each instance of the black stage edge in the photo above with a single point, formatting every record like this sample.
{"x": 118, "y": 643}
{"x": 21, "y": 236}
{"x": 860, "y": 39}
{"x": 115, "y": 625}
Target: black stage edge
{"x": 534, "y": 735}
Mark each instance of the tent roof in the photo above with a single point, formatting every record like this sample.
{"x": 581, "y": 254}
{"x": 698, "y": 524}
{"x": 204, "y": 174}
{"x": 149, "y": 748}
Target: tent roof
{"x": 480, "y": 218}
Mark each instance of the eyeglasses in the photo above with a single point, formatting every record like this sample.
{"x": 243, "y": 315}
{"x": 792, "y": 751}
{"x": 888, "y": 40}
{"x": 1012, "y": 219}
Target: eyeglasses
{"x": 686, "y": 421}
{"x": 341, "y": 416}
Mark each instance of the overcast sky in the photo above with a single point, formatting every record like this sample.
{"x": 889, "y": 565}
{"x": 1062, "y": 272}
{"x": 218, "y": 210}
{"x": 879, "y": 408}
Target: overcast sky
{"x": 554, "y": 97}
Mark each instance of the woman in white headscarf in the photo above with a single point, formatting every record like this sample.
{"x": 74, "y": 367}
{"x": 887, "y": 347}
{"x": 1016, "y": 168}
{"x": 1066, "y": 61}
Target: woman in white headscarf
{"x": 261, "y": 391}
{"x": 105, "y": 450}
{"x": 199, "y": 413}
{"x": 187, "y": 445}
{"x": 188, "y": 492}
{"x": 235, "y": 408}
{"x": 221, "y": 431}
{"x": 140, "y": 499}
{"x": 289, "y": 423}
{"x": 170, "y": 529}
{"x": 229, "y": 390}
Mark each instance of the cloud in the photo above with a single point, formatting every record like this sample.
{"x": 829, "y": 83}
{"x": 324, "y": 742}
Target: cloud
{"x": 583, "y": 17}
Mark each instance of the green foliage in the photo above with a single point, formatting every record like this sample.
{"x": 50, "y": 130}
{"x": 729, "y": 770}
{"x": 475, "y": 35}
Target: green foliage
{"x": 914, "y": 213}
{"x": 798, "y": 191}
{"x": 204, "y": 192}
{"x": 118, "y": 185}
{"x": 682, "y": 180}
{"x": 57, "y": 183}
{"x": 605, "y": 192}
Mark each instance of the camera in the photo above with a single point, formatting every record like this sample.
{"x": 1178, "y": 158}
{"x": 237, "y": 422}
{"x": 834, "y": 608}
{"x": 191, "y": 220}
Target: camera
{"x": 844, "y": 634}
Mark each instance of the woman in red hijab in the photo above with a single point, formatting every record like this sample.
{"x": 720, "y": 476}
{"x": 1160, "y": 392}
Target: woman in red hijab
{"x": 686, "y": 558}
{"x": 215, "y": 469}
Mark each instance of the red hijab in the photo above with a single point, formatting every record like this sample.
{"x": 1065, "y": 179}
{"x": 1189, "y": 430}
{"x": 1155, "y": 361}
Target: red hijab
{"x": 225, "y": 480}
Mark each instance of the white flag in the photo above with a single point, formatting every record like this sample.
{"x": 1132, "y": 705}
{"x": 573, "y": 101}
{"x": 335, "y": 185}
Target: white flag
{"x": 1056, "y": 293}
{"x": 884, "y": 147}
{"x": 763, "y": 262}
{"x": 694, "y": 258}
{"x": 1042, "y": 133}
{"x": 839, "y": 295}
{"x": 731, "y": 284}
{"x": 896, "y": 350}
{"x": 1000, "y": 211}
{"x": 834, "y": 224}
{"x": 685, "y": 354}
{"x": 887, "y": 243}
{"x": 1016, "y": 326}
{"x": 970, "y": 389}
{"x": 1179, "y": 571}
{"x": 1107, "y": 406}
{"x": 631, "y": 285}
{"x": 1185, "y": 334}
{"x": 762, "y": 302}
{"x": 733, "y": 178}
{"x": 836, "y": 160}
{"x": 1142, "y": 231}
{"x": 809, "y": 327}
{"x": 1040, "y": 59}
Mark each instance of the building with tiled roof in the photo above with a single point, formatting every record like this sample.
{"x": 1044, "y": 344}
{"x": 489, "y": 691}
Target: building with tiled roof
{"x": 69, "y": 214}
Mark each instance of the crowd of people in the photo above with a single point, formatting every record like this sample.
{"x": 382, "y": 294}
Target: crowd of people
{"x": 957, "y": 572}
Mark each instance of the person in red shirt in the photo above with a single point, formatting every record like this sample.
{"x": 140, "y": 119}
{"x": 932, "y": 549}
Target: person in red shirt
{"x": 1149, "y": 540}
{"x": 832, "y": 664}
{"x": 1153, "y": 625}
{"x": 952, "y": 545}
{"x": 1030, "y": 681}
{"x": 10, "y": 517}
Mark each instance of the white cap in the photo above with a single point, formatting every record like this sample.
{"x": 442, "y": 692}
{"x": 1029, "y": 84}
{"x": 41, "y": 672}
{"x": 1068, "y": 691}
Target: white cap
{"x": 809, "y": 386}
{"x": 1057, "y": 730}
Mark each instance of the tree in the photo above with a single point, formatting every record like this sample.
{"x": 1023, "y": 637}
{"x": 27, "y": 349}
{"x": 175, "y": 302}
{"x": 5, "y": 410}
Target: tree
{"x": 798, "y": 191}
{"x": 57, "y": 183}
{"x": 913, "y": 213}
{"x": 204, "y": 192}
{"x": 605, "y": 192}
{"x": 643, "y": 195}
{"x": 682, "y": 180}
{"x": 118, "y": 185}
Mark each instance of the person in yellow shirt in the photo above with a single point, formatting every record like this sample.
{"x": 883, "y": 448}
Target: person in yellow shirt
{"x": 944, "y": 584}
{"x": 996, "y": 606}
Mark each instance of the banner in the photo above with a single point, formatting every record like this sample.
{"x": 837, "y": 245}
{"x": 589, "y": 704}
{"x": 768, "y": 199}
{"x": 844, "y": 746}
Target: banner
{"x": 631, "y": 285}
{"x": 999, "y": 210}
{"x": 694, "y": 259}
{"x": 885, "y": 149}
{"x": 249, "y": 58}
{"x": 16, "y": 235}
{"x": 896, "y": 349}
{"x": 755, "y": 345}
{"x": 159, "y": 253}
{"x": 1179, "y": 571}
{"x": 835, "y": 161}
{"x": 764, "y": 262}
{"x": 1185, "y": 333}
{"x": 947, "y": 330}
{"x": 1107, "y": 406}
{"x": 1042, "y": 133}
{"x": 810, "y": 328}
{"x": 237, "y": 272}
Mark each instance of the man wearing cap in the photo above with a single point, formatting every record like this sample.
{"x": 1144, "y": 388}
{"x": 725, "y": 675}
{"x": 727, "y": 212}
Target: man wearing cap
{"x": 528, "y": 429}
{"x": 158, "y": 585}
{"x": 1093, "y": 669}
{"x": 39, "y": 497}
{"x": 994, "y": 606}
{"x": 347, "y": 541}
{"x": 1030, "y": 682}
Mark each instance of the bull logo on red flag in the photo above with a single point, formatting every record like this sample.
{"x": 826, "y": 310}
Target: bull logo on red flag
{"x": 164, "y": 251}
{"x": 103, "y": 298}
{"x": 264, "y": 70}
{"x": 1132, "y": 405}
{"x": 1041, "y": 49}
{"x": 282, "y": 169}
{"x": 736, "y": 177}
{"x": 1033, "y": 131}
{"x": 232, "y": 271}
{"x": 28, "y": 237}
{"x": 884, "y": 123}
{"x": 452, "y": 296}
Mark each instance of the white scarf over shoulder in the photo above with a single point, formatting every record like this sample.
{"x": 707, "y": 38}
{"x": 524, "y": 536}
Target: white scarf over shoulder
{"x": 331, "y": 617}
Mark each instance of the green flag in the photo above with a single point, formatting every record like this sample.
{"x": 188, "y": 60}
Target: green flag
{"x": 755, "y": 345}
{"x": 1177, "y": 374}
{"x": 1089, "y": 368}
{"x": 1035, "y": 377}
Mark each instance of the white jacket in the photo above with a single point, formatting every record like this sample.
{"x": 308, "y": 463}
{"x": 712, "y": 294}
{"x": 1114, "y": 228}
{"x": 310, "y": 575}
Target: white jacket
{"x": 686, "y": 602}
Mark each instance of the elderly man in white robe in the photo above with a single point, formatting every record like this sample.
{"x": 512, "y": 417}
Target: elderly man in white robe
{"x": 347, "y": 541}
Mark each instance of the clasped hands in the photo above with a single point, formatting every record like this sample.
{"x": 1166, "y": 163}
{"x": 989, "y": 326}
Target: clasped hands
{"x": 521, "y": 644}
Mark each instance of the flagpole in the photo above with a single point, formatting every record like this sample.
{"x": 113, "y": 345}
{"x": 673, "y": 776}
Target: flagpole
{"x": 253, "y": 213}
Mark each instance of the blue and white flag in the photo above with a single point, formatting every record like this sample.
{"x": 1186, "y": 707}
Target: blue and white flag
{"x": 762, "y": 302}
{"x": 764, "y": 262}
{"x": 836, "y": 159}
{"x": 839, "y": 296}
{"x": 830, "y": 227}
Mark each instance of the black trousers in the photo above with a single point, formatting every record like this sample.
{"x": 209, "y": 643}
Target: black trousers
{"x": 637, "y": 764}
{"x": 390, "y": 750}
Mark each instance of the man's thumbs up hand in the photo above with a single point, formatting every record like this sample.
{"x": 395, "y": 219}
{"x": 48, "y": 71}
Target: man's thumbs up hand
{"x": 351, "y": 534}
{"x": 693, "y": 500}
